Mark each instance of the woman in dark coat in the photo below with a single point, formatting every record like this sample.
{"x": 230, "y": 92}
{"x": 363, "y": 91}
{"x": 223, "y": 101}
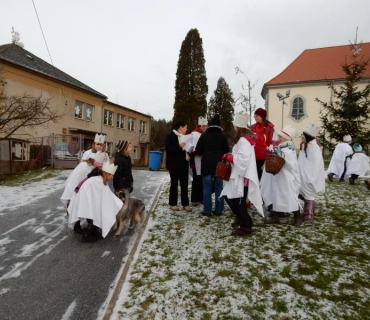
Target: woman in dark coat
{"x": 212, "y": 145}
{"x": 177, "y": 163}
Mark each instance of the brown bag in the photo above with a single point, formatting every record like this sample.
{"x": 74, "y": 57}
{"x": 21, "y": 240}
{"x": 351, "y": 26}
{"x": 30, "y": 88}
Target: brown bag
{"x": 223, "y": 170}
{"x": 274, "y": 163}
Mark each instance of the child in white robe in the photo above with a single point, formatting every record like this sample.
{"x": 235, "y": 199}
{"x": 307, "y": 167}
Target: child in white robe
{"x": 243, "y": 182}
{"x": 98, "y": 145}
{"x": 338, "y": 163}
{"x": 95, "y": 202}
{"x": 282, "y": 191}
{"x": 79, "y": 173}
{"x": 311, "y": 171}
{"x": 358, "y": 164}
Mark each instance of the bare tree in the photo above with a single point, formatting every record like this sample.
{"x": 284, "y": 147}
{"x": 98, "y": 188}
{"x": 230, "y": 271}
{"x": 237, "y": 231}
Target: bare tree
{"x": 25, "y": 111}
{"x": 245, "y": 100}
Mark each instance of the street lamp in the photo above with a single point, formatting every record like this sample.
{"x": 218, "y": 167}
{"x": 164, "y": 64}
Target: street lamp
{"x": 282, "y": 98}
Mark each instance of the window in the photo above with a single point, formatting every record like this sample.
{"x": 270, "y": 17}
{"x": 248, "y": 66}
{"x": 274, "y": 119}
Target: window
{"x": 131, "y": 124}
{"x": 120, "y": 121}
{"x": 108, "y": 118}
{"x": 78, "y": 109}
{"x": 298, "y": 109}
{"x": 89, "y": 112}
{"x": 142, "y": 126}
{"x": 108, "y": 147}
{"x": 134, "y": 156}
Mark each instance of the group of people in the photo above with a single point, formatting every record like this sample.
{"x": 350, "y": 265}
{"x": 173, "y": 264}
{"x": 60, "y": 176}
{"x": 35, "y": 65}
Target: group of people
{"x": 92, "y": 189}
{"x": 298, "y": 182}
{"x": 349, "y": 162}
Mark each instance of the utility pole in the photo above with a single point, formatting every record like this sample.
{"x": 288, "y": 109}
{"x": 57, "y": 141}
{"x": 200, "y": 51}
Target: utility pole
{"x": 247, "y": 100}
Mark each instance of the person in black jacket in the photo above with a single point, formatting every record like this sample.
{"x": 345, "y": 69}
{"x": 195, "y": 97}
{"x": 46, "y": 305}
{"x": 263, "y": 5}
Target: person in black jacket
{"x": 177, "y": 163}
{"x": 212, "y": 145}
{"x": 123, "y": 180}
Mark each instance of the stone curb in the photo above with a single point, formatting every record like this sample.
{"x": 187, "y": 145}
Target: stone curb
{"x": 117, "y": 290}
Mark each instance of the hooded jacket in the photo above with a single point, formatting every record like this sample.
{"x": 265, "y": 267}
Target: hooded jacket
{"x": 212, "y": 145}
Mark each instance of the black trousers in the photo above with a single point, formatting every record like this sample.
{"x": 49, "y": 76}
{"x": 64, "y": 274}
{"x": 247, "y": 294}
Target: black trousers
{"x": 183, "y": 177}
{"x": 259, "y": 164}
{"x": 239, "y": 207}
{"x": 196, "y": 188}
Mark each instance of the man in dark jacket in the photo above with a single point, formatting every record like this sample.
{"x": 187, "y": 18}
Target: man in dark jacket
{"x": 212, "y": 145}
{"x": 177, "y": 163}
{"x": 123, "y": 180}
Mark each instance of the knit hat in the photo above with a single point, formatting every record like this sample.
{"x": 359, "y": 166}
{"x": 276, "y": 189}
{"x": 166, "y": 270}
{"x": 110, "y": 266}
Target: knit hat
{"x": 261, "y": 112}
{"x": 288, "y": 132}
{"x": 347, "y": 138}
{"x": 122, "y": 145}
{"x": 241, "y": 120}
{"x": 357, "y": 147}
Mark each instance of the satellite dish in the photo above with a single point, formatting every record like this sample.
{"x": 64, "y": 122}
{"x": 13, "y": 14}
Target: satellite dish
{"x": 20, "y": 44}
{"x": 73, "y": 147}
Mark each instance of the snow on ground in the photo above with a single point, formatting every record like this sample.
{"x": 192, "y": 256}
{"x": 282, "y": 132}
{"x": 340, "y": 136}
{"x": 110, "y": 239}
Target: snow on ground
{"x": 188, "y": 267}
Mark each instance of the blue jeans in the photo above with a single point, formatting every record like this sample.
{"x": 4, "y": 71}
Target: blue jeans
{"x": 210, "y": 184}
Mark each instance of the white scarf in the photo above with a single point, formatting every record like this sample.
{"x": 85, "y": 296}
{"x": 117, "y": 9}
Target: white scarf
{"x": 179, "y": 135}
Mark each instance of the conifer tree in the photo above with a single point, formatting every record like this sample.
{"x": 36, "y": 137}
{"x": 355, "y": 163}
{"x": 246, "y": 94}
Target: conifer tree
{"x": 191, "y": 81}
{"x": 222, "y": 102}
{"x": 348, "y": 112}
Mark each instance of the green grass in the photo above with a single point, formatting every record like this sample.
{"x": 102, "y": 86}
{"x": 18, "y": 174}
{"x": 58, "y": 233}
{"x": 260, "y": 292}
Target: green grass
{"x": 320, "y": 270}
{"x": 19, "y": 179}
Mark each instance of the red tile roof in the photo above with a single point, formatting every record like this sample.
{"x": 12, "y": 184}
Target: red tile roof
{"x": 320, "y": 64}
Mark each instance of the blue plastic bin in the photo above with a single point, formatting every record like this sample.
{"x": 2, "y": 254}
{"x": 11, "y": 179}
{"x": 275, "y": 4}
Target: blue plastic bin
{"x": 155, "y": 159}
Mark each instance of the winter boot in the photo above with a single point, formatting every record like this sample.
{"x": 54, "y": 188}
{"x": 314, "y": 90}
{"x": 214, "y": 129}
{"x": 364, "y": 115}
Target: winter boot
{"x": 77, "y": 227}
{"x": 236, "y": 223}
{"x": 90, "y": 232}
{"x": 309, "y": 206}
{"x": 242, "y": 231}
{"x": 274, "y": 218}
{"x": 297, "y": 218}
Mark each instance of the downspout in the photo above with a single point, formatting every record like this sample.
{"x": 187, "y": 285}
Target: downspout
{"x": 102, "y": 115}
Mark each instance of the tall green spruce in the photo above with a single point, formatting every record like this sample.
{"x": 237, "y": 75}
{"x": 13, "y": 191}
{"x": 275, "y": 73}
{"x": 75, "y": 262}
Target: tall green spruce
{"x": 222, "y": 102}
{"x": 191, "y": 81}
{"x": 348, "y": 112}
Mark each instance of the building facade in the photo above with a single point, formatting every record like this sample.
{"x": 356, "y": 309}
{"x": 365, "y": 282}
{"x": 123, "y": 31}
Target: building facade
{"x": 306, "y": 79}
{"x": 84, "y": 110}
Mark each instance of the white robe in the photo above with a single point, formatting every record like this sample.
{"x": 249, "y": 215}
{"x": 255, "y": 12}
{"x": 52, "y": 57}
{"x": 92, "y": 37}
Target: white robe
{"x": 197, "y": 158}
{"x": 359, "y": 164}
{"x": 78, "y": 174}
{"x": 311, "y": 171}
{"x": 281, "y": 190}
{"x": 95, "y": 201}
{"x": 341, "y": 151}
{"x": 86, "y": 155}
{"x": 244, "y": 166}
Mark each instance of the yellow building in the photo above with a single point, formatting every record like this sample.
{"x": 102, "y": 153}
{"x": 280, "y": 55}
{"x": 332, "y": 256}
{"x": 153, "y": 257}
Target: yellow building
{"x": 306, "y": 79}
{"x": 85, "y": 111}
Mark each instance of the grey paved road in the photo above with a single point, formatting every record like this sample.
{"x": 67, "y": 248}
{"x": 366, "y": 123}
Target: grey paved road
{"x": 47, "y": 273}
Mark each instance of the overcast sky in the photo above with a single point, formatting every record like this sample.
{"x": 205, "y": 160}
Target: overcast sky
{"x": 128, "y": 50}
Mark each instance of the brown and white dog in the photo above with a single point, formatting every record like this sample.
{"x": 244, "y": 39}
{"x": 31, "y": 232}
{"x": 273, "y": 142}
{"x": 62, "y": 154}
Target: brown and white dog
{"x": 133, "y": 209}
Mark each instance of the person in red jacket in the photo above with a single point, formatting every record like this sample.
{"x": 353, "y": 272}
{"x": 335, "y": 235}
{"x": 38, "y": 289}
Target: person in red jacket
{"x": 264, "y": 130}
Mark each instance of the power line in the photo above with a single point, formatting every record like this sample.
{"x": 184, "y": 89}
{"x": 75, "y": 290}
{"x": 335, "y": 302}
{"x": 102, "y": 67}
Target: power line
{"x": 42, "y": 33}
{"x": 47, "y": 47}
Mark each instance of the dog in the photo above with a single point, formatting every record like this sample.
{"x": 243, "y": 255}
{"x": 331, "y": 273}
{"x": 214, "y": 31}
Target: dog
{"x": 133, "y": 209}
